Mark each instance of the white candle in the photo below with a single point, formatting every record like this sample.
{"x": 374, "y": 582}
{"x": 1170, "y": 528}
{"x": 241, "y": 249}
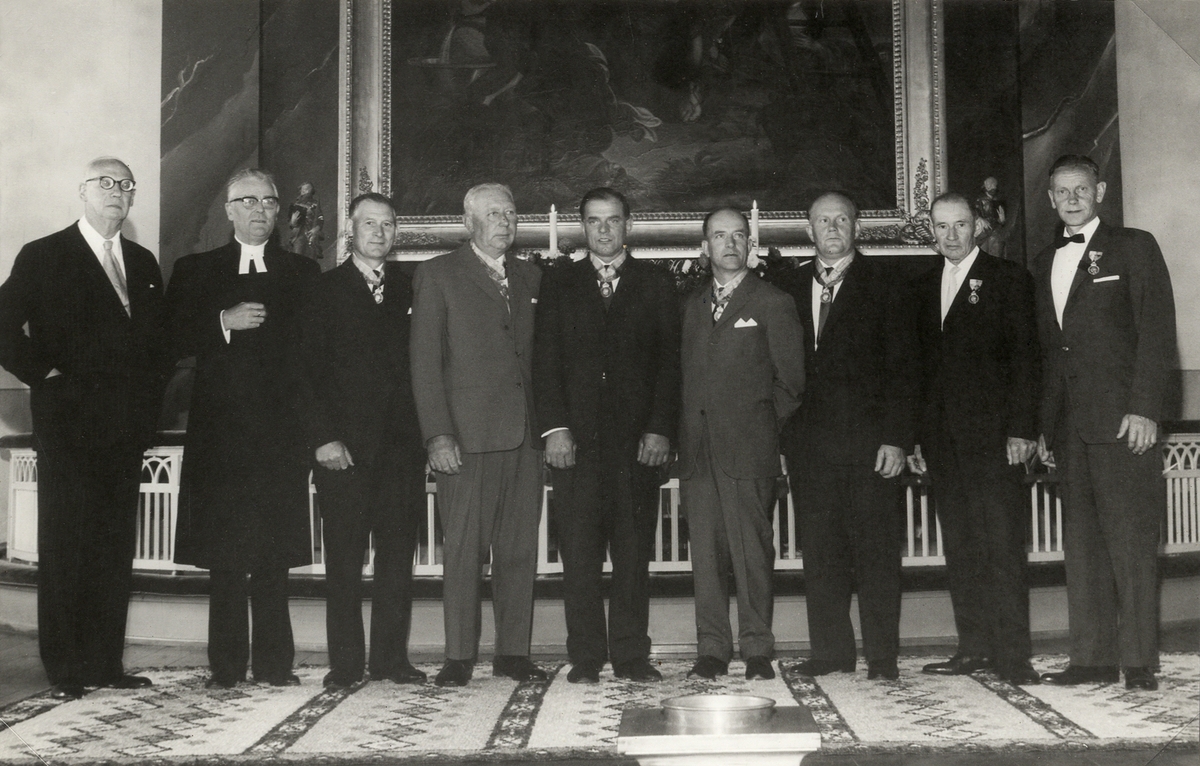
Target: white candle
{"x": 553, "y": 232}
{"x": 754, "y": 226}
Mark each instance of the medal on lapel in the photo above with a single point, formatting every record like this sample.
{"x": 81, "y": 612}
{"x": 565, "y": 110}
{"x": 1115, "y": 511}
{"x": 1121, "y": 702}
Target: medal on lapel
{"x": 1094, "y": 256}
{"x": 975, "y": 284}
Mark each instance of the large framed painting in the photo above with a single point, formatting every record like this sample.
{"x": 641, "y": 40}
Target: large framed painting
{"x": 683, "y": 105}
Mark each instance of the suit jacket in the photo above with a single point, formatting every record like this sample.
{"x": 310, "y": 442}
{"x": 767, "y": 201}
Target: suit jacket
{"x": 1115, "y": 353}
{"x": 472, "y": 352}
{"x": 353, "y": 382}
{"x": 742, "y": 377}
{"x": 243, "y": 498}
{"x": 113, "y": 364}
{"x": 614, "y": 367}
{"x": 981, "y": 370}
{"x": 862, "y": 378}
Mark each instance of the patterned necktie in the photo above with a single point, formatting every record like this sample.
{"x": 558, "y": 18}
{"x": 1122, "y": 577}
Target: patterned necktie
{"x": 720, "y": 299}
{"x": 375, "y": 282}
{"x": 115, "y": 276}
{"x": 826, "y": 299}
{"x": 500, "y": 279}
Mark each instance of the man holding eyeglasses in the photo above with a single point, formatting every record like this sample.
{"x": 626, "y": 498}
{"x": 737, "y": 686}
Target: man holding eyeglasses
{"x": 94, "y": 359}
{"x": 243, "y": 496}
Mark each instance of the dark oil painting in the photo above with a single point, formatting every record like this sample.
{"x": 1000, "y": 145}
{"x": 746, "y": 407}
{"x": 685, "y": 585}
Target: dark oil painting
{"x": 683, "y": 105}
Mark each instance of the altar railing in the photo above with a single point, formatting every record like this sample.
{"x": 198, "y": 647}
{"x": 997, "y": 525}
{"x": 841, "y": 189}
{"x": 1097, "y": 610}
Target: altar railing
{"x": 921, "y": 546}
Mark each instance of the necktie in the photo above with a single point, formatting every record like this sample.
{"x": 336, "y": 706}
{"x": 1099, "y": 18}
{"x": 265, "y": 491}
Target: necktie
{"x": 115, "y": 275}
{"x": 500, "y": 280}
{"x": 1060, "y": 241}
{"x": 720, "y": 298}
{"x": 827, "y": 289}
{"x": 375, "y": 281}
{"x": 951, "y": 291}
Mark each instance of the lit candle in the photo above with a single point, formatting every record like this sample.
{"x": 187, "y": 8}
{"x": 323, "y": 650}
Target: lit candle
{"x": 754, "y": 226}
{"x": 553, "y": 232}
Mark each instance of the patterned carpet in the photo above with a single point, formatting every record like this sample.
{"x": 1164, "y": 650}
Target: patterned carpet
{"x": 179, "y": 721}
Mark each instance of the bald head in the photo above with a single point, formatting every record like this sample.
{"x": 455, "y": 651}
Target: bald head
{"x": 105, "y": 209}
{"x": 833, "y": 226}
{"x": 102, "y": 165}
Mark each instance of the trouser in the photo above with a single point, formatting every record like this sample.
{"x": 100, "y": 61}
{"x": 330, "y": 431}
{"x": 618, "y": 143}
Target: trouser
{"x": 494, "y": 502}
{"x": 730, "y": 531}
{"x": 383, "y": 498}
{"x": 1112, "y": 508}
{"x": 230, "y": 641}
{"x": 87, "y": 528}
{"x": 607, "y": 501}
{"x": 981, "y": 505}
{"x": 850, "y": 531}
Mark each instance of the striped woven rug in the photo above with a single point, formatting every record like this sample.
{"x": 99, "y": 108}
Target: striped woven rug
{"x": 178, "y": 721}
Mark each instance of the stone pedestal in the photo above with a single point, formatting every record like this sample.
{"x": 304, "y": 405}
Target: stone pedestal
{"x": 785, "y": 738}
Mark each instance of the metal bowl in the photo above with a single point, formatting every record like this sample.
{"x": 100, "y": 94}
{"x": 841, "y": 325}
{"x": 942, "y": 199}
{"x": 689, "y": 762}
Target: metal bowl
{"x": 717, "y": 713}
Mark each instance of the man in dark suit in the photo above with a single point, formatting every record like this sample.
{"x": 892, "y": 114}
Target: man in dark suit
{"x": 981, "y": 375}
{"x": 472, "y": 355}
{"x": 606, "y": 387}
{"x": 845, "y": 445}
{"x": 243, "y": 494}
{"x": 743, "y": 373}
{"x": 94, "y": 359}
{"x": 1106, "y": 314}
{"x": 355, "y": 400}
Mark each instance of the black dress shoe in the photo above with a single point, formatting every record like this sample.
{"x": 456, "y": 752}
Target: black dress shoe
{"x": 1140, "y": 678}
{"x": 131, "y": 682}
{"x": 336, "y": 680}
{"x": 708, "y": 667}
{"x": 1021, "y": 675}
{"x": 759, "y": 669}
{"x": 885, "y": 669}
{"x": 637, "y": 670}
{"x": 455, "y": 673}
{"x": 958, "y": 665}
{"x": 220, "y": 682}
{"x": 1083, "y": 674}
{"x": 67, "y": 691}
{"x": 816, "y": 667}
{"x": 405, "y": 673}
{"x": 584, "y": 673}
{"x": 517, "y": 668}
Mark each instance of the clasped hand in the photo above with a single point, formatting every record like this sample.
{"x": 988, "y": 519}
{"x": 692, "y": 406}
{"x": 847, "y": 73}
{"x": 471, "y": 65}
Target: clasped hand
{"x": 244, "y": 316}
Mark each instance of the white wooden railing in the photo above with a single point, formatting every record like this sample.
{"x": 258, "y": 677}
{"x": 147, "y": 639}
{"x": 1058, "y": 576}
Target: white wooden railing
{"x": 922, "y": 545}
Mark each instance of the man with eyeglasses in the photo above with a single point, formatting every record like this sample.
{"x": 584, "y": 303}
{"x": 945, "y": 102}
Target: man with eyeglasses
{"x": 1106, "y": 315}
{"x": 243, "y": 495}
{"x": 471, "y": 353}
{"x": 94, "y": 359}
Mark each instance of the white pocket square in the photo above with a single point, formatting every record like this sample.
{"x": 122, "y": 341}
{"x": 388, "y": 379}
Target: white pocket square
{"x": 410, "y": 309}
{"x": 745, "y": 323}
{"x": 533, "y": 300}
{"x": 1106, "y": 279}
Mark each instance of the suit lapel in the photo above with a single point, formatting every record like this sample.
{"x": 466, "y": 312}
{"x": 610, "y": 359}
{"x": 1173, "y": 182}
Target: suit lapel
{"x": 477, "y": 272}
{"x": 98, "y": 276}
{"x": 1098, "y": 242}
{"x": 804, "y": 294}
{"x": 962, "y": 297}
{"x": 741, "y": 294}
{"x": 851, "y": 285}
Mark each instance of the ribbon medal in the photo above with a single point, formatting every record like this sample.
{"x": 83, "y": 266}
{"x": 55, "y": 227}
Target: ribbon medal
{"x": 1093, "y": 256}
{"x": 975, "y": 284}
{"x": 606, "y": 290}
{"x": 827, "y": 294}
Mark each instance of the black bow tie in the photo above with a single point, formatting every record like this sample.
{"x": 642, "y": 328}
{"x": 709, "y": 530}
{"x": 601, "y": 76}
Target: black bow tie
{"x": 1060, "y": 241}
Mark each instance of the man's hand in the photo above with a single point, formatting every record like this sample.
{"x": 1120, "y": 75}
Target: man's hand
{"x": 1044, "y": 454}
{"x": 653, "y": 450}
{"x": 244, "y": 316}
{"x": 444, "y": 454}
{"x": 560, "y": 449}
{"x": 1142, "y": 433}
{"x": 916, "y": 461}
{"x": 334, "y": 456}
{"x": 1020, "y": 450}
{"x": 889, "y": 461}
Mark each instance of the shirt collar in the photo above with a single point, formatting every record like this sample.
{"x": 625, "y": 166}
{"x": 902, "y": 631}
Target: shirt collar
{"x": 616, "y": 263}
{"x": 252, "y": 250}
{"x": 729, "y": 286}
{"x": 495, "y": 264}
{"x": 964, "y": 265}
{"x": 366, "y": 269}
{"x": 96, "y": 240}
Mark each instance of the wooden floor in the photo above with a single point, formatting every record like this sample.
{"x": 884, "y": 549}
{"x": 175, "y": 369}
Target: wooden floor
{"x": 21, "y": 676}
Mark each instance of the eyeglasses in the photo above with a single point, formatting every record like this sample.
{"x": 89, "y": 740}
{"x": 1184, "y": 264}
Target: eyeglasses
{"x": 107, "y": 182}
{"x": 268, "y": 203}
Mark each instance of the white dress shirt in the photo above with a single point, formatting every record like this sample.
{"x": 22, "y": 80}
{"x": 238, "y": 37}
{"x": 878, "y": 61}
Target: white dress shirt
{"x": 96, "y": 241}
{"x": 953, "y": 276}
{"x": 819, "y": 267}
{"x": 597, "y": 264}
{"x": 1066, "y": 262}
